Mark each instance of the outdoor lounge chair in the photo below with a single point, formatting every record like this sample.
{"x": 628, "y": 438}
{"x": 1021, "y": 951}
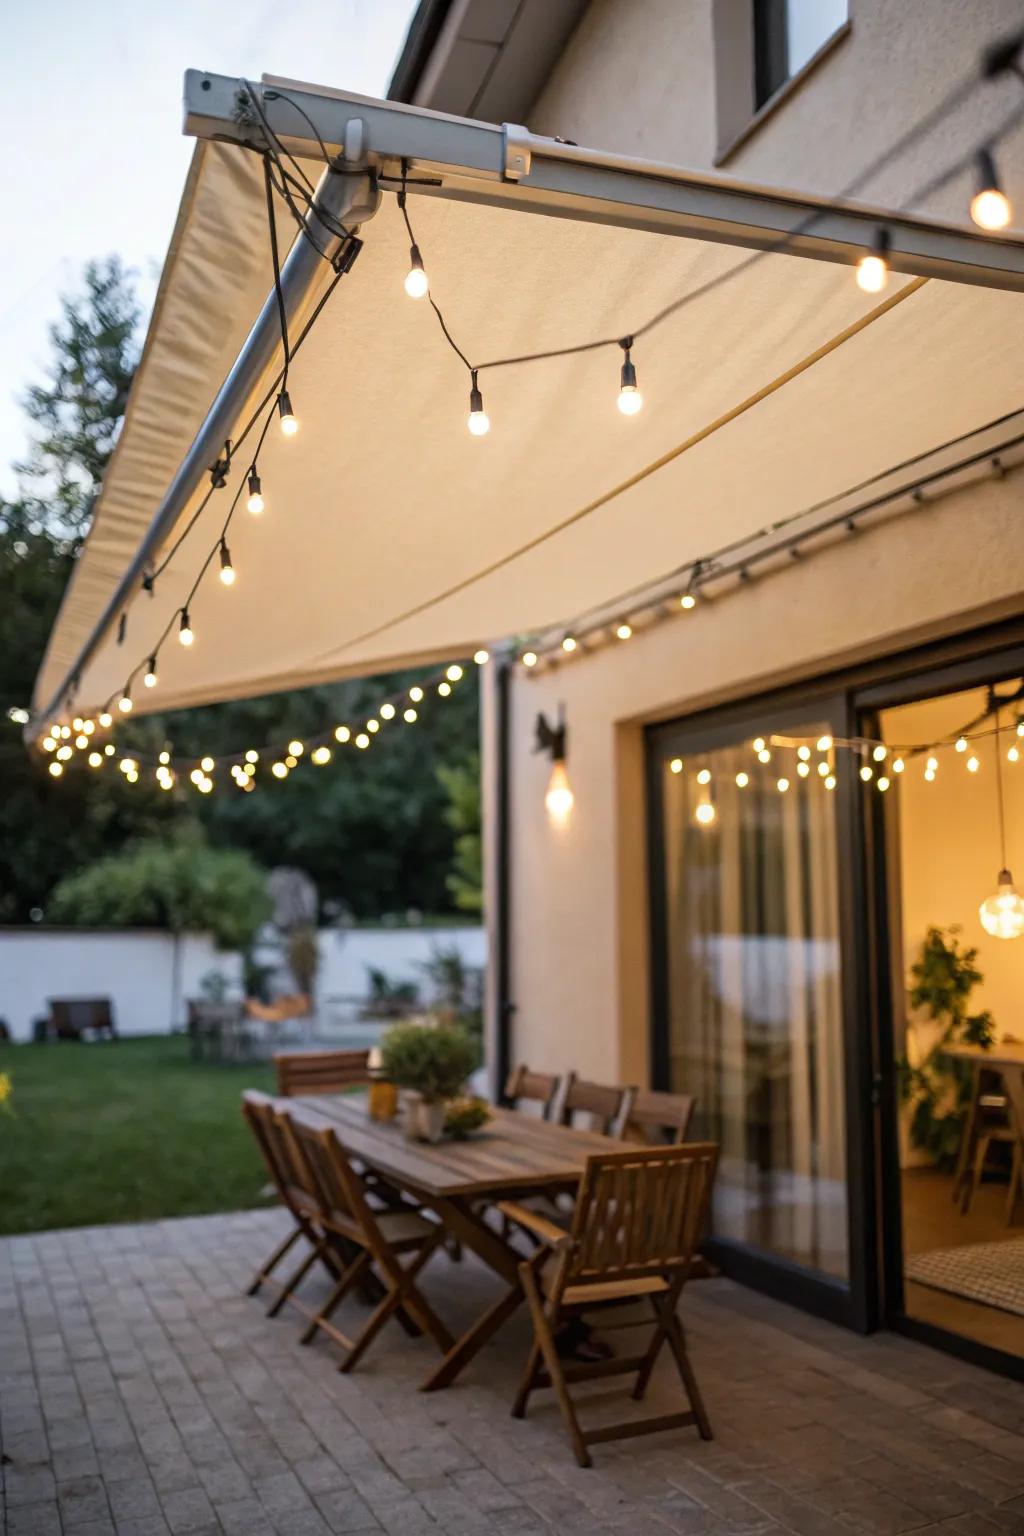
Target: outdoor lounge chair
{"x": 638, "y": 1219}
{"x": 365, "y": 1242}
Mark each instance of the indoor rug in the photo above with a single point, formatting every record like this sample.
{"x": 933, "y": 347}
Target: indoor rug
{"x": 988, "y": 1272}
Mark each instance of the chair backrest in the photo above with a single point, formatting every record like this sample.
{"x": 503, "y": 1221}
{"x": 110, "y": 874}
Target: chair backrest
{"x": 526, "y": 1087}
{"x": 289, "y": 1175}
{"x": 660, "y": 1118}
{"x": 641, "y": 1212}
{"x": 337, "y": 1188}
{"x": 303, "y": 1072}
{"x": 607, "y": 1107}
{"x": 70, "y": 1015}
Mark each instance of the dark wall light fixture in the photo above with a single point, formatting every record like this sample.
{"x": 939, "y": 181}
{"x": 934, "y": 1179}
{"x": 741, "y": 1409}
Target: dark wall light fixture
{"x": 551, "y": 739}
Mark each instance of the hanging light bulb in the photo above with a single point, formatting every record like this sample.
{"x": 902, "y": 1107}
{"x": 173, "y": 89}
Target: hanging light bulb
{"x": 705, "y": 812}
{"x": 56, "y": 769}
{"x": 803, "y": 753}
{"x": 481, "y": 657}
{"x": 880, "y": 753}
{"x": 296, "y": 748}
{"x": 444, "y": 689}
{"x": 873, "y": 267}
{"x": 289, "y": 421}
{"x": 898, "y": 765}
{"x": 185, "y": 634}
{"x": 479, "y": 422}
{"x": 883, "y": 783}
{"x": 676, "y": 765}
{"x": 823, "y": 769}
{"x": 342, "y": 733}
{"x": 704, "y": 777}
{"x": 782, "y": 785}
{"x": 207, "y": 764}
{"x": 1002, "y": 914}
{"x": 454, "y": 672}
{"x": 320, "y": 755}
{"x": 227, "y": 570}
{"x": 387, "y": 711}
{"x": 362, "y": 741}
{"x": 867, "y": 773}
{"x": 973, "y": 765}
{"x": 254, "y": 502}
{"x": 416, "y": 284}
{"x": 416, "y": 692}
{"x": 124, "y": 703}
{"x": 165, "y": 758}
{"x": 106, "y": 719}
{"x": 529, "y": 659}
{"x": 758, "y": 744}
{"x": 742, "y": 780}
{"x": 559, "y": 799}
{"x": 409, "y": 715}
{"x": 824, "y": 743}
{"x": 569, "y": 643}
{"x": 1013, "y": 755}
{"x": 961, "y": 744}
{"x": 279, "y": 770}
{"x": 630, "y": 398}
{"x": 830, "y": 782}
{"x": 764, "y": 756}
{"x": 687, "y": 600}
{"x": 990, "y": 207}
{"x": 803, "y": 769}
{"x": 150, "y": 677}
{"x": 48, "y": 744}
{"x": 623, "y": 631}
{"x": 373, "y": 725}
{"x": 95, "y": 759}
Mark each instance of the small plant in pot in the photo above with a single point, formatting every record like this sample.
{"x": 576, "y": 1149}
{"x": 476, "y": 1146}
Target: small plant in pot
{"x": 431, "y": 1064}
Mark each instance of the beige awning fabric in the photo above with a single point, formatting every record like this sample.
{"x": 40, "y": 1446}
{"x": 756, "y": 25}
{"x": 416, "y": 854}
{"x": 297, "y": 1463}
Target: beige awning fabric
{"x": 391, "y": 534}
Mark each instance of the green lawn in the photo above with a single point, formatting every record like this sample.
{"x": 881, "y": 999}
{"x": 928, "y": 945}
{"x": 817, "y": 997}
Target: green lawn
{"x": 126, "y": 1131}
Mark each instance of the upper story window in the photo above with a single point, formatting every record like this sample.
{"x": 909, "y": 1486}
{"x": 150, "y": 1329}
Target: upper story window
{"x": 787, "y": 35}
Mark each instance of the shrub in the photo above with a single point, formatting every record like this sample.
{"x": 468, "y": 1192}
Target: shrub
{"x": 434, "y": 1061}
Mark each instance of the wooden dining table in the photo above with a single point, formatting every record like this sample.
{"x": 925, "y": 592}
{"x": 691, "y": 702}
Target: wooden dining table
{"x": 514, "y": 1156}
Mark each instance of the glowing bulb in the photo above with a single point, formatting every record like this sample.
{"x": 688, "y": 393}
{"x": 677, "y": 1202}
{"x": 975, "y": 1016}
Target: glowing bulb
{"x": 409, "y": 716}
{"x": 1013, "y": 755}
{"x": 830, "y": 782}
{"x": 65, "y": 731}
{"x": 758, "y": 744}
{"x": 623, "y": 631}
{"x": 416, "y": 692}
{"x": 823, "y": 770}
{"x": 416, "y": 284}
{"x": 568, "y": 643}
{"x": 81, "y": 742}
{"x": 167, "y": 782}
{"x": 481, "y": 657}
{"x": 207, "y": 764}
{"x": 95, "y": 759}
{"x": 185, "y": 634}
{"x": 165, "y": 757}
{"x": 630, "y": 398}
{"x": 687, "y": 600}
{"x": 676, "y": 765}
{"x": 56, "y": 769}
{"x": 295, "y": 748}
{"x": 764, "y": 756}
{"x": 124, "y": 704}
{"x": 252, "y": 756}
{"x": 227, "y": 570}
{"x": 559, "y": 798}
{"x": 704, "y": 777}
{"x": 387, "y": 711}
{"x": 454, "y": 672}
{"x": 362, "y": 741}
{"x": 883, "y": 783}
{"x": 444, "y": 689}
{"x": 106, "y": 719}
{"x": 373, "y": 726}
{"x": 803, "y": 753}
{"x": 64, "y": 753}
{"x": 1002, "y": 915}
{"x": 205, "y": 786}
{"x": 929, "y": 774}
{"x": 990, "y": 207}
{"x": 279, "y": 770}
{"x": 961, "y": 745}
{"x": 880, "y": 754}
{"x": 742, "y": 780}
{"x": 128, "y": 765}
{"x": 973, "y": 765}
{"x": 342, "y": 733}
{"x": 479, "y": 422}
{"x": 76, "y": 723}
{"x": 705, "y": 813}
{"x": 108, "y": 750}
{"x": 932, "y": 765}
{"x": 782, "y": 785}
{"x": 529, "y": 659}
{"x": 1020, "y": 727}
{"x": 802, "y": 769}
{"x": 898, "y": 765}
{"x": 291, "y": 761}
{"x": 289, "y": 423}
{"x": 150, "y": 677}
{"x": 867, "y": 773}
{"x": 320, "y": 756}
{"x": 824, "y": 743}
{"x": 255, "y": 502}
{"x": 872, "y": 274}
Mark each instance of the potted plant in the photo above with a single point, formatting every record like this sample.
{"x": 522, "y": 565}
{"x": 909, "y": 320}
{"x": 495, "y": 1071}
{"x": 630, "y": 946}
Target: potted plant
{"x": 431, "y": 1064}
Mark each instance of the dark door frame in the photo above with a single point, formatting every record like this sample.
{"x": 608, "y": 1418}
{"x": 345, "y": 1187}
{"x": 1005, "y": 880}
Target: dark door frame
{"x": 855, "y": 694}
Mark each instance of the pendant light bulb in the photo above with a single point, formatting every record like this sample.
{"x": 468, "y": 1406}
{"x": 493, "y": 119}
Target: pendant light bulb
{"x": 1002, "y": 914}
{"x": 227, "y": 570}
{"x": 559, "y": 799}
{"x": 873, "y": 267}
{"x": 254, "y": 501}
{"x": 150, "y": 677}
{"x": 479, "y": 422}
{"x": 630, "y": 398}
{"x": 124, "y": 703}
{"x": 185, "y": 634}
{"x": 289, "y": 422}
{"x": 990, "y": 207}
{"x": 416, "y": 282}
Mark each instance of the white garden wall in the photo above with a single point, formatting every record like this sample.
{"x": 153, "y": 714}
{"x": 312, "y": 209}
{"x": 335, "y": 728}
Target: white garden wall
{"x": 134, "y": 968}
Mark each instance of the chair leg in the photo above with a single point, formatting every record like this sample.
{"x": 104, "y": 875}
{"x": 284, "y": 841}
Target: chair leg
{"x": 658, "y": 1339}
{"x": 677, "y": 1344}
{"x": 526, "y": 1386}
{"x": 980, "y": 1159}
{"x": 1016, "y": 1181}
{"x": 289, "y": 1287}
{"x": 402, "y": 1292}
{"x": 545, "y": 1339}
{"x": 269, "y": 1265}
{"x": 338, "y": 1294}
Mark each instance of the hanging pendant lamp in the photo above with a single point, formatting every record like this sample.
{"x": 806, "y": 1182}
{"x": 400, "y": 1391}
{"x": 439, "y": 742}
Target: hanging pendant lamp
{"x": 1002, "y": 914}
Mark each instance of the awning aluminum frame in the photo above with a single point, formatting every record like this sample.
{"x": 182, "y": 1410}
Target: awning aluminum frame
{"x": 504, "y": 166}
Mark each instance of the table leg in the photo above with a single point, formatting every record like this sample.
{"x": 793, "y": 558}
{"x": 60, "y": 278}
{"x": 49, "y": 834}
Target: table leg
{"x": 474, "y": 1233}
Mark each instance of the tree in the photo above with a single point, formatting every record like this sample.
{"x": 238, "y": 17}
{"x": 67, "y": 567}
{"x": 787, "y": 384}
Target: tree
{"x": 465, "y": 880}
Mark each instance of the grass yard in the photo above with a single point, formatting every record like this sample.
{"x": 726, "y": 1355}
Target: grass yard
{"x": 125, "y": 1131}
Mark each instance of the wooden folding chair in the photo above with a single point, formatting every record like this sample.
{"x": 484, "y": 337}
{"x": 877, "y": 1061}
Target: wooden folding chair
{"x": 296, "y": 1193}
{"x": 366, "y": 1243}
{"x": 639, "y": 1216}
{"x": 659, "y": 1118}
{"x": 309, "y": 1072}
{"x": 607, "y": 1108}
{"x": 526, "y": 1087}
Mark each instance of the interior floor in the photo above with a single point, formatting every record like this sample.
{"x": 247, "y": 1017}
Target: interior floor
{"x": 930, "y": 1221}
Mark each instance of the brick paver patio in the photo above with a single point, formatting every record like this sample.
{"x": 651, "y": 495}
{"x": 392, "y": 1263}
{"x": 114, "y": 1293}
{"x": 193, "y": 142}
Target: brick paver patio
{"x": 141, "y": 1393}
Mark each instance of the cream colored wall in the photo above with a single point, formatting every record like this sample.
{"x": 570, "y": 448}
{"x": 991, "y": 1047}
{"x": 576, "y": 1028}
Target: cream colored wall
{"x": 638, "y": 76}
{"x": 949, "y": 849}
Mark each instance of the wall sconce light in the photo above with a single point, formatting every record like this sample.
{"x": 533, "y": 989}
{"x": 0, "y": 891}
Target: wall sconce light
{"x": 551, "y": 739}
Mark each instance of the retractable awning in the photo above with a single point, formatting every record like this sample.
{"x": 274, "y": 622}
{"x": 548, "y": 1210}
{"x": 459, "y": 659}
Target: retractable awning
{"x": 390, "y": 534}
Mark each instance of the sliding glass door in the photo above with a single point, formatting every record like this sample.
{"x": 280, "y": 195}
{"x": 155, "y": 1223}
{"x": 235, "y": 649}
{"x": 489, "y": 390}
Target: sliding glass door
{"x": 749, "y": 999}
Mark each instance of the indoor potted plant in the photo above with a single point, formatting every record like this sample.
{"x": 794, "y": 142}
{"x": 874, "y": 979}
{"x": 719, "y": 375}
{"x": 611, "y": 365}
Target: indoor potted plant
{"x": 430, "y": 1063}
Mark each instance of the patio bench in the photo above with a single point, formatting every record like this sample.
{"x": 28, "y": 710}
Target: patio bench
{"x": 76, "y": 1018}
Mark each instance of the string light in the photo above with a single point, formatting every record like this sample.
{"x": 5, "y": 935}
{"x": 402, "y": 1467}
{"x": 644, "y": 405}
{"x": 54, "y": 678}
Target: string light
{"x": 454, "y": 672}
{"x": 883, "y": 783}
{"x": 207, "y": 764}
{"x": 279, "y": 770}
{"x": 873, "y": 267}
{"x": 444, "y": 689}
{"x": 973, "y": 765}
{"x": 254, "y": 501}
{"x": 782, "y": 785}
{"x": 185, "y": 634}
{"x": 106, "y": 719}
{"x": 289, "y": 421}
{"x": 823, "y": 770}
{"x": 742, "y": 780}
{"x": 320, "y": 755}
{"x": 227, "y": 570}
{"x": 704, "y": 777}
{"x": 56, "y": 769}
{"x": 342, "y": 733}
{"x": 880, "y": 753}
{"x": 961, "y": 744}
{"x": 1013, "y": 755}
{"x": 409, "y": 716}
{"x": 165, "y": 758}
{"x": 623, "y": 631}
{"x": 150, "y": 677}
{"x": 764, "y": 756}
{"x": 802, "y": 769}
{"x": 830, "y": 782}
{"x": 95, "y": 759}
{"x": 687, "y": 600}
{"x": 481, "y": 657}
{"x": 81, "y": 742}
{"x": 64, "y": 754}
{"x": 803, "y": 753}
{"x": 124, "y": 703}
{"x": 373, "y": 726}
{"x": 252, "y": 756}
{"x": 758, "y": 744}
{"x": 362, "y": 741}
{"x": 387, "y": 711}
{"x": 416, "y": 692}
{"x": 569, "y": 643}
{"x": 867, "y": 773}
{"x": 295, "y": 748}
{"x": 416, "y": 284}
{"x": 990, "y": 207}
{"x": 676, "y": 765}
{"x": 48, "y": 744}
{"x": 898, "y": 765}
{"x": 479, "y": 422}
{"x": 529, "y": 659}
{"x": 705, "y": 812}
{"x": 109, "y": 749}
{"x": 630, "y": 398}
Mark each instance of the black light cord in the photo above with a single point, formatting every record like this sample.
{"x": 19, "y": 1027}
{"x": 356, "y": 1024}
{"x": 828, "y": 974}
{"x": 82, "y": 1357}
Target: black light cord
{"x": 276, "y": 259}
